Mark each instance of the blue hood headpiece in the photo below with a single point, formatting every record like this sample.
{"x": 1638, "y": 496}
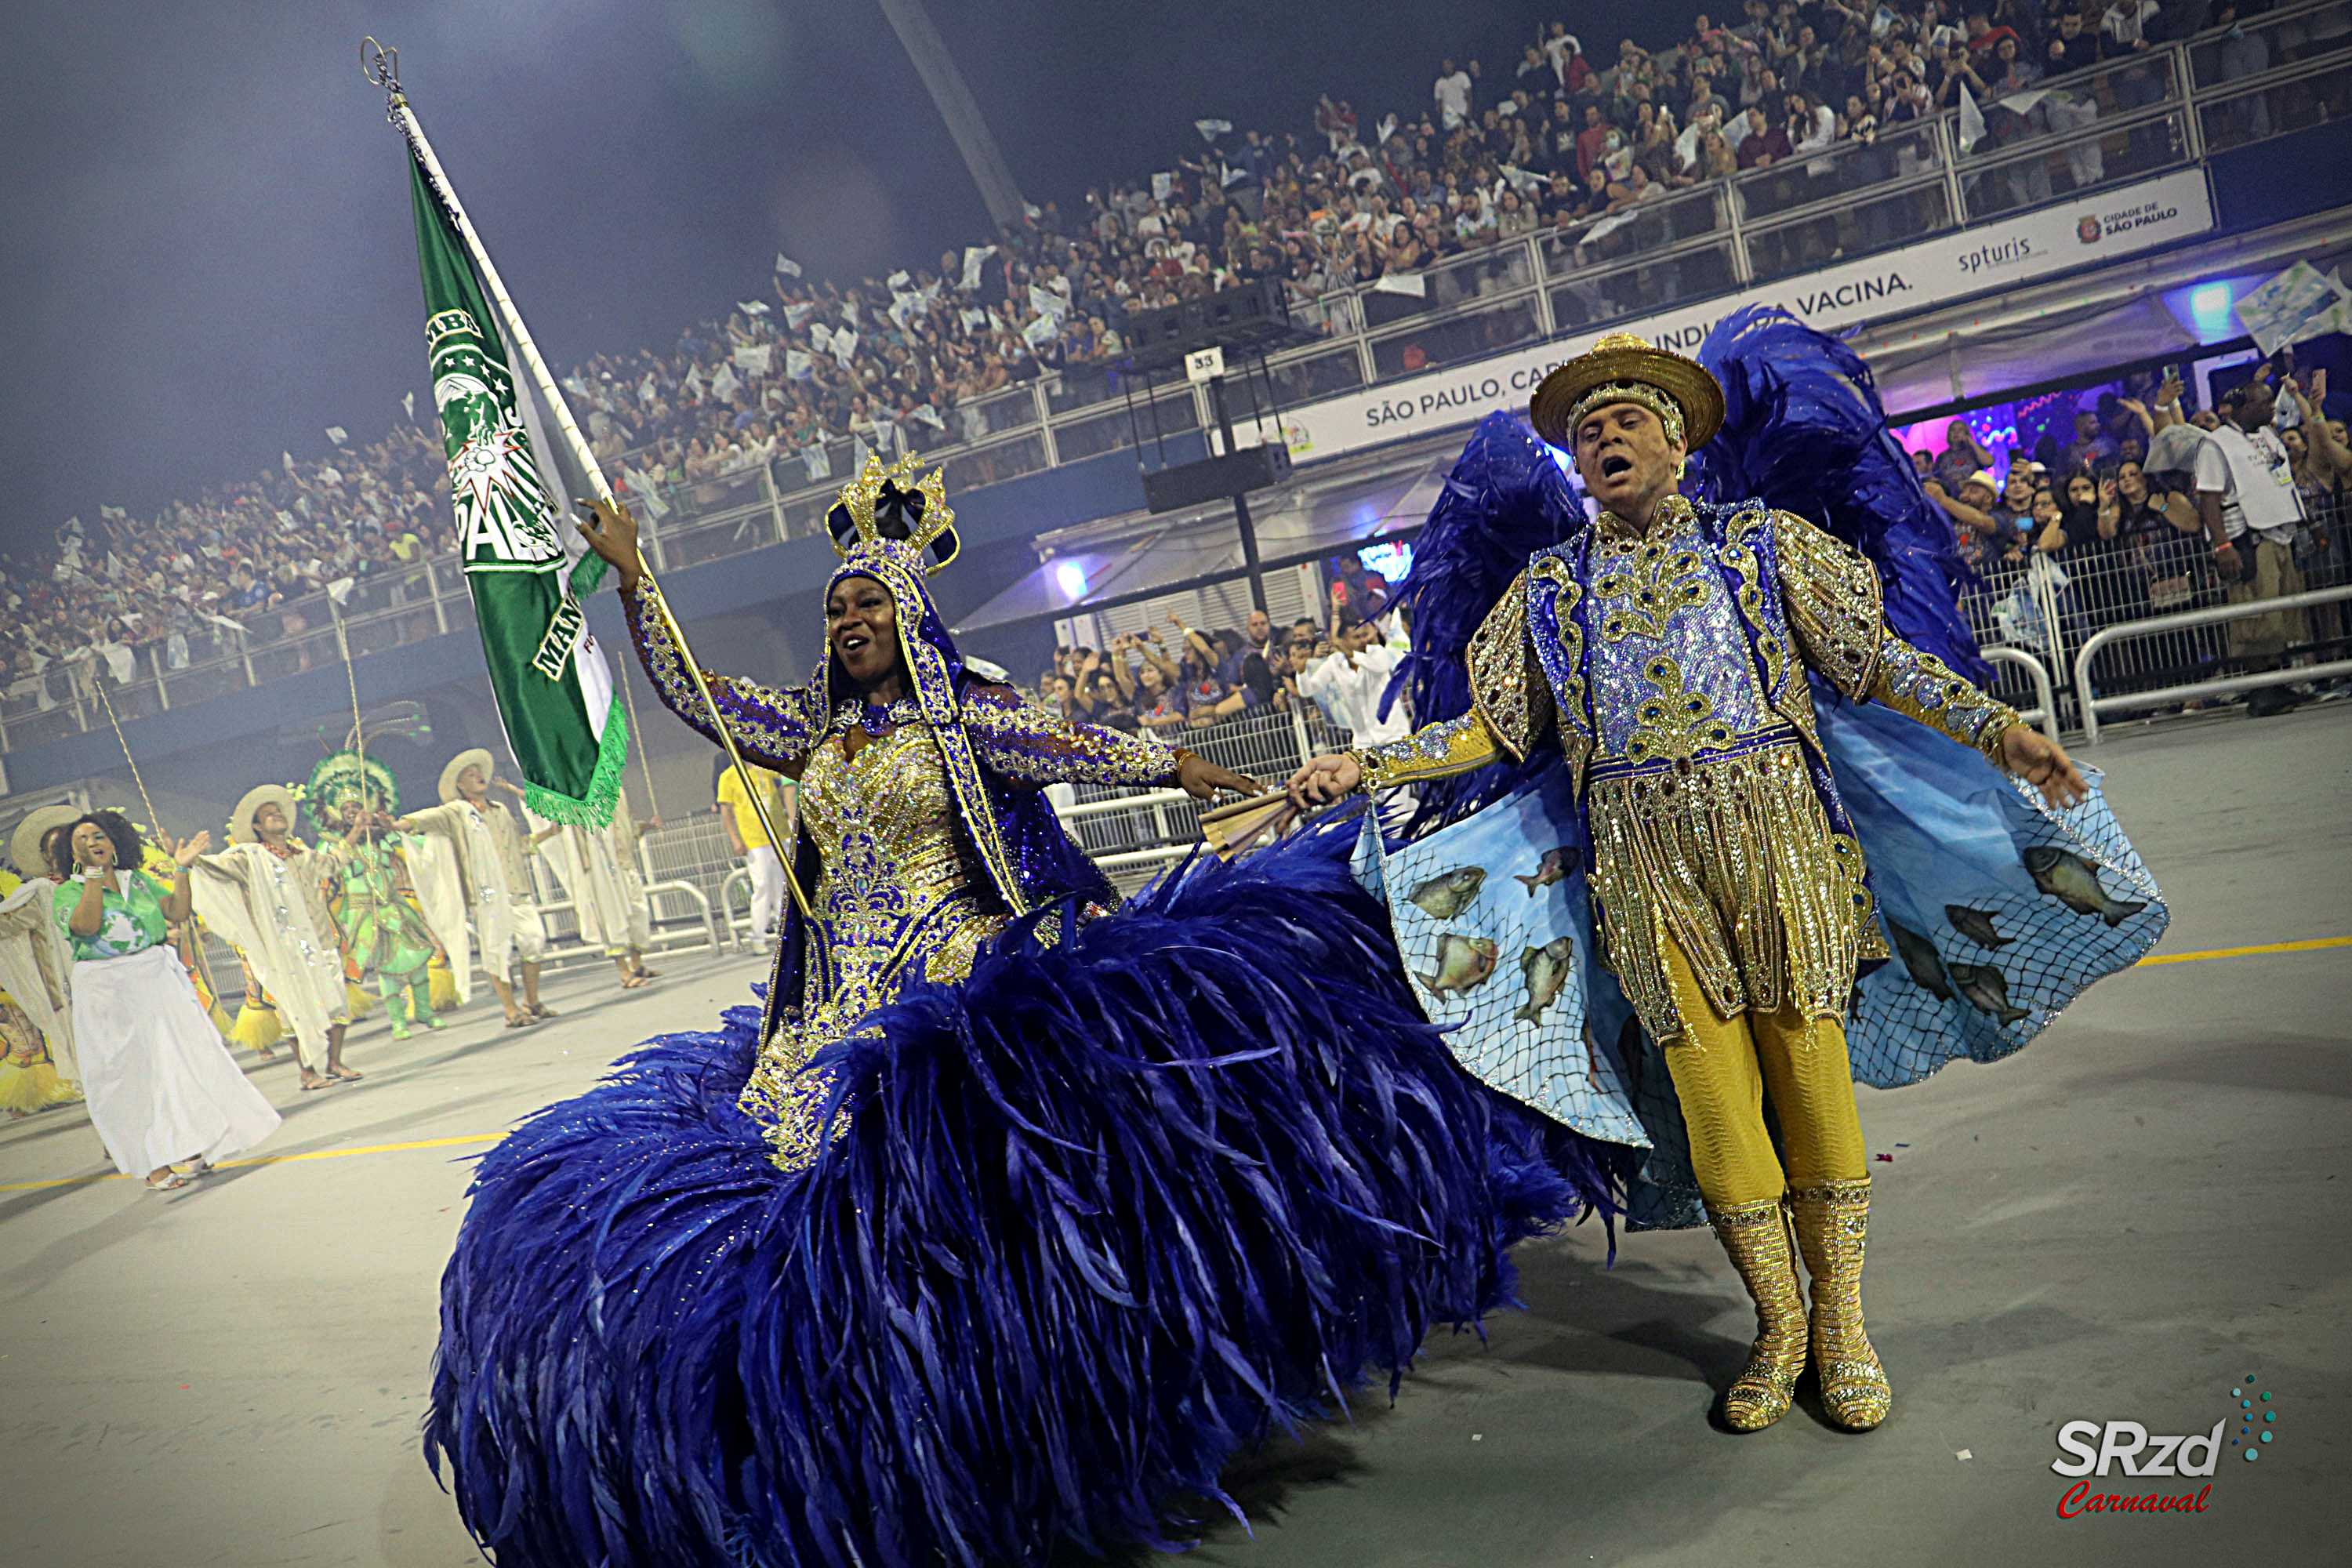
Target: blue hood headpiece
{"x": 897, "y": 530}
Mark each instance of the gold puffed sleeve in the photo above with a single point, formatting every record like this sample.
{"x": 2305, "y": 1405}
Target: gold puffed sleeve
{"x": 1508, "y": 689}
{"x": 1510, "y": 707}
{"x": 1834, "y": 604}
{"x": 1837, "y": 611}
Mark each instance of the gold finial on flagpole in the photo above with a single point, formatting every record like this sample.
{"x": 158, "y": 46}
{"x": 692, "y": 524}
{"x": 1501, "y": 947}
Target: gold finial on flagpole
{"x": 380, "y": 66}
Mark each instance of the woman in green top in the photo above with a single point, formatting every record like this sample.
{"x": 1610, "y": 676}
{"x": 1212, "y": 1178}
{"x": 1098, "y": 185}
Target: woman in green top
{"x": 160, "y": 1087}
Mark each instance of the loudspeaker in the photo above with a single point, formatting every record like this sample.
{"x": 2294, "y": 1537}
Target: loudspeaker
{"x": 1216, "y": 479}
{"x": 1250, "y": 316}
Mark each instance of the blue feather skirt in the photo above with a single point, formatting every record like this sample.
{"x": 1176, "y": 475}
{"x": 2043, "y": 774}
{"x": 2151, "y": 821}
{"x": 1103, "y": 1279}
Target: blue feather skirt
{"x": 1103, "y": 1216}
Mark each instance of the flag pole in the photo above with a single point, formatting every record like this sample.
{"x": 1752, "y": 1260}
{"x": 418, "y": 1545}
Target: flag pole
{"x": 381, "y": 65}
{"x": 154, "y": 821}
{"x": 350, "y": 680}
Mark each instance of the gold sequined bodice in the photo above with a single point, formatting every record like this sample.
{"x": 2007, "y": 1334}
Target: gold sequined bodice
{"x": 880, "y": 825}
{"x": 895, "y": 899}
{"x": 1705, "y": 827}
{"x": 1667, "y": 665}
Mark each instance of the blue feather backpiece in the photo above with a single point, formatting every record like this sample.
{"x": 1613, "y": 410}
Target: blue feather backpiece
{"x": 1803, "y": 431}
{"x": 1504, "y": 498}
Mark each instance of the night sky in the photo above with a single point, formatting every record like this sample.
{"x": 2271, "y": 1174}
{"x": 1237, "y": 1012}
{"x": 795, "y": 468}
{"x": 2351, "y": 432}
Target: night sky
{"x": 209, "y": 255}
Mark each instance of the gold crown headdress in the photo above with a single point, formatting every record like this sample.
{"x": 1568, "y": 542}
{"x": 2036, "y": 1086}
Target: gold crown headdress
{"x": 888, "y": 512}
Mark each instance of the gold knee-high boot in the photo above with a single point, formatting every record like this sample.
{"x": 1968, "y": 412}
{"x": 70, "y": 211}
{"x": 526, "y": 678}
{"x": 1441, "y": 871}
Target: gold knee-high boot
{"x": 1756, "y": 1235}
{"x": 1832, "y": 1222}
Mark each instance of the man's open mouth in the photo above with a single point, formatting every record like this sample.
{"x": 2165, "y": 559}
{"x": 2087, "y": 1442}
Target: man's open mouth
{"x": 1614, "y": 464}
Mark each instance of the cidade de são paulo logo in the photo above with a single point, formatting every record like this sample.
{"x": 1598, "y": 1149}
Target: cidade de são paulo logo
{"x": 2100, "y": 1451}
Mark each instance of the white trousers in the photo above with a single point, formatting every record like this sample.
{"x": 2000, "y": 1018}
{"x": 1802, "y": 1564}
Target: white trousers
{"x": 767, "y": 869}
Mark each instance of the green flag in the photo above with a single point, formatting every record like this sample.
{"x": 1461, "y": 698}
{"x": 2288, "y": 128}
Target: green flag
{"x": 554, "y": 689}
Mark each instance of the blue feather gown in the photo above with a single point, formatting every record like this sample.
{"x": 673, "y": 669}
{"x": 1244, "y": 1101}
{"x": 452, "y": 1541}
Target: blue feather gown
{"x": 1089, "y": 1206}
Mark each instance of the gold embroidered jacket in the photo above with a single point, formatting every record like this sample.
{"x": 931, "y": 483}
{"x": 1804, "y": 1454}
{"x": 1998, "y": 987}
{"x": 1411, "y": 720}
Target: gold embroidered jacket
{"x": 1668, "y": 664}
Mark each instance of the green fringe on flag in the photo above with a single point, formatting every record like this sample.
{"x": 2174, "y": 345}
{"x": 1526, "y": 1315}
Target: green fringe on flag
{"x": 594, "y": 807}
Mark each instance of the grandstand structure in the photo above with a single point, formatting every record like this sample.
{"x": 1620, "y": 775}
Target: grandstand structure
{"x": 1957, "y": 272}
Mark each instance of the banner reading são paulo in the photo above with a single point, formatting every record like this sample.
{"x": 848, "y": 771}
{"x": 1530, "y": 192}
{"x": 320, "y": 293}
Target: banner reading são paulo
{"x": 553, "y": 689}
{"x": 1932, "y": 272}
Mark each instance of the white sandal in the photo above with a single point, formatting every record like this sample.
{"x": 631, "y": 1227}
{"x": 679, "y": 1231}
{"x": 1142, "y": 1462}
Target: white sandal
{"x": 172, "y": 1183}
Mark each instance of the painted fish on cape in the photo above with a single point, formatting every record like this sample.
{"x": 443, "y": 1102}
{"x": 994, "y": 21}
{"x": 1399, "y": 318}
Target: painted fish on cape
{"x": 1975, "y": 925}
{"x": 1450, "y": 892}
{"x": 1985, "y": 988}
{"x": 1919, "y": 956}
{"x": 2074, "y": 882}
{"x": 1545, "y": 970}
{"x": 1463, "y": 963}
{"x": 1553, "y": 868}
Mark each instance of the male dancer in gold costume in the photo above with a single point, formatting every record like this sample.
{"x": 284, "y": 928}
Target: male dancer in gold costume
{"x": 1653, "y": 648}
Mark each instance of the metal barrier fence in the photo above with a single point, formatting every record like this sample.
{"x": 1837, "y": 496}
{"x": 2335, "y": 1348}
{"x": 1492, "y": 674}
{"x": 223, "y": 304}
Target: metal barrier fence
{"x": 2260, "y": 674}
{"x": 680, "y": 888}
{"x": 2104, "y": 628}
{"x": 1267, "y": 745}
{"x": 2052, "y": 608}
{"x": 2169, "y": 107}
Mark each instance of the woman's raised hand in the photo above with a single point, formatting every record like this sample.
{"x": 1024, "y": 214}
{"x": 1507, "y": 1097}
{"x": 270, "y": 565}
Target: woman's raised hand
{"x": 611, "y": 533}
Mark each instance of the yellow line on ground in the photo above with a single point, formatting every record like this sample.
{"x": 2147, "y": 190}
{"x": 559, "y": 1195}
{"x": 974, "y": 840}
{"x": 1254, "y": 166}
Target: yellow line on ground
{"x": 460, "y": 1140}
{"x": 2314, "y": 945}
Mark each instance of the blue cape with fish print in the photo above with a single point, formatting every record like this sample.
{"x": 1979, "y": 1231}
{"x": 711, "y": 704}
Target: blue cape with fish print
{"x": 2000, "y": 912}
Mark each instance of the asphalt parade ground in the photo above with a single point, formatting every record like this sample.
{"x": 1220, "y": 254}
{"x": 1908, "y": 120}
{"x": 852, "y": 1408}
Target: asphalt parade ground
{"x": 2126, "y": 1222}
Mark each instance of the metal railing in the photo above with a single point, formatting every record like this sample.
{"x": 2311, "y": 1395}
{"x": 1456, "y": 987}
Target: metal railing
{"x": 2092, "y": 705}
{"x": 1135, "y": 834}
{"x": 2044, "y": 710}
{"x": 678, "y": 913}
{"x": 2144, "y": 587}
{"x": 2121, "y": 120}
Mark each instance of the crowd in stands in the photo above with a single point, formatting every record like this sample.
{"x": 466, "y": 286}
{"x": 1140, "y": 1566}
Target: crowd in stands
{"x": 1561, "y": 140}
{"x": 1174, "y": 678}
{"x": 2112, "y": 516}
{"x": 2105, "y": 519}
{"x": 1557, "y": 141}
{"x": 113, "y": 593}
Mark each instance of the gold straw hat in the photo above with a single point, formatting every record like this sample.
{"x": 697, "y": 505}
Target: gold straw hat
{"x": 1642, "y": 373}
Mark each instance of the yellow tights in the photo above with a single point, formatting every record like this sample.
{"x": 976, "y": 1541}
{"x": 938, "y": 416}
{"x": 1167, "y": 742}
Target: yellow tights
{"x": 1715, "y": 1068}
